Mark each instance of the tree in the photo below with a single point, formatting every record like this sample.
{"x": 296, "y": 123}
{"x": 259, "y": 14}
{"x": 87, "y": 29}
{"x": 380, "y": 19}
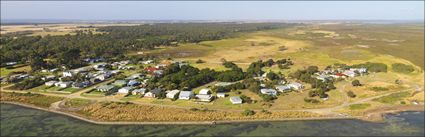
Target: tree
{"x": 246, "y": 99}
{"x": 272, "y": 76}
{"x": 36, "y": 62}
{"x": 356, "y": 83}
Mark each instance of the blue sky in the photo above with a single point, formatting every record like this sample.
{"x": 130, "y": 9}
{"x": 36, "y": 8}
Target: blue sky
{"x": 213, "y": 10}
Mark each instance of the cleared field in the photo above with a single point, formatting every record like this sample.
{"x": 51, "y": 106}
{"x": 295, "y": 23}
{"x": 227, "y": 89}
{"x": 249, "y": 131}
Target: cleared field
{"x": 52, "y": 29}
{"x": 6, "y": 71}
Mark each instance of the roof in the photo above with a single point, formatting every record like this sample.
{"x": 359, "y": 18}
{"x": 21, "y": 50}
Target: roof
{"x": 107, "y": 87}
{"x": 186, "y": 93}
{"x": 140, "y": 90}
{"x": 156, "y": 91}
{"x": 151, "y": 69}
{"x": 120, "y": 82}
{"x": 127, "y": 88}
{"x": 204, "y": 96}
{"x": 204, "y": 91}
{"x": 235, "y": 99}
{"x": 173, "y": 92}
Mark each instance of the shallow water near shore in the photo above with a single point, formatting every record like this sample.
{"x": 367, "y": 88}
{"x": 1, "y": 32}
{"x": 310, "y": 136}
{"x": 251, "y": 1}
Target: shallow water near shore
{"x": 22, "y": 121}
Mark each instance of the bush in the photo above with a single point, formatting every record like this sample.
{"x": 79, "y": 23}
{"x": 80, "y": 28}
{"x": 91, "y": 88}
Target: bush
{"x": 199, "y": 61}
{"x": 246, "y": 99}
{"x": 356, "y": 83}
{"x": 267, "y": 98}
{"x": 248, "y": 112}
{"x": 351, "y": 94}
{"x": 402, "y": 68}
{"x": 310, "y": 100}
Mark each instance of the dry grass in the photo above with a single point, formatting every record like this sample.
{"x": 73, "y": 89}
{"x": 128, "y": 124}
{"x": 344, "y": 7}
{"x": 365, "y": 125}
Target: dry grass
{"x": 132, "y": 112}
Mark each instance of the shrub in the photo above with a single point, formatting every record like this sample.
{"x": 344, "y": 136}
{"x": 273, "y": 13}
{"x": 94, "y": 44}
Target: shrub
{"x": 310, "y": 100}
{"x": 402, "y": 68}
{"x": 199, "y": 61}
{"x": 356, "y": 83}
{"x": 248, "y": 112}
{"x": 351, "y": 94}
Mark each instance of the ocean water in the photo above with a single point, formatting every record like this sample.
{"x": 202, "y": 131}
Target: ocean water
{"x": 21, "y": 121}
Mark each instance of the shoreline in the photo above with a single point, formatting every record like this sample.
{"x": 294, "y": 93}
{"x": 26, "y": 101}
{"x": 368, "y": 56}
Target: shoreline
{"x": 371, "y": 117}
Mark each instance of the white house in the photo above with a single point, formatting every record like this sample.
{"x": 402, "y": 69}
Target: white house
{"x": 138, "y": 91}
{"x": 173, "y": 93}
{"x": 204, "y": 97}
{"x": 236, "y": 100}
{"x": 283, "y": 88}
{"x": 105, "y": 88}
{"x": 67, "y": 74}
{"x": 204, "y": 91}
{"x": 153, "y": 93}
{"x": 296, "y": 85}
{"x": 221, "y": 95}
{"x": 147, "y": 62}
{"x": 63, "y": 84}
{"x": 268, "y": 91}
{"x": 125, "y": 90}
{"x": 49, "y": 77}
{"x": 349, "y": 73}
{"x": 50, "y": 83}
{"x": 186, "y": 95}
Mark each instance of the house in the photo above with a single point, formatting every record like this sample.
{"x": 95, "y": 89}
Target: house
{"x": 283, "y": 88}
{"x": 159, "y": 66}
{"x": 172, "y": 94}
{"x": 349, "y": 73}
{"x": 360, "y": 70}
{"x": 120, "y": 83}
{"x": 150, "y": 69}
{"x": 153, "y": 93}
{"x": 54, "y": 70}
{"x": 236, "y": 100}
{"x": 11, "y": 63}
{"x": 115, "y": 71}
{"x": 106, "y": 88}
{"x": 50, "y": 83}
{"x": 67, "y": 74}
{"x": 296, "y": 85}
{"x": 338, "y": 75}
{"x": 138, "y": 91}
{"x": 63, "y": 84}
{"x": 103, "y": 77}
{"x": 186, "y": 95}
{"x": 133, "y": 83}
{"x": 81, "y": 84}
{"x": 204, "y": 91}
{"x": 323, "y": 77}
{"x": 147, "y": 62}
{"x": 204, "y": 97}
{"x": 268, "y": 91}
{"x": 221, "y": 95}
{"x": 50, "y": 77}
{"x": 125, "y": 90}
{"x": 100, "y": 66}
{"x": 158, "y": 72}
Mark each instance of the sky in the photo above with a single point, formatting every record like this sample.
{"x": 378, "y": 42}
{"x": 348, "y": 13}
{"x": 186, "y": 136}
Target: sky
{"x": 213, "y": 10}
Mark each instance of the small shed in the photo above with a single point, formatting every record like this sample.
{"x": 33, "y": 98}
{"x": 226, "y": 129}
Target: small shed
{"x": 236, "y": 100}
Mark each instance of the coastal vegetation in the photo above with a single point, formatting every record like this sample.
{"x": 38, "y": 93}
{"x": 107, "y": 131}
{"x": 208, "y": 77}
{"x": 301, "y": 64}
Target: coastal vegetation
{"x": 30, "y": 98}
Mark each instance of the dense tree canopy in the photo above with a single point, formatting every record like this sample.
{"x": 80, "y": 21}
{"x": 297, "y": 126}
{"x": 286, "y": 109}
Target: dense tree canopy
{"x": 116, "y": 40}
